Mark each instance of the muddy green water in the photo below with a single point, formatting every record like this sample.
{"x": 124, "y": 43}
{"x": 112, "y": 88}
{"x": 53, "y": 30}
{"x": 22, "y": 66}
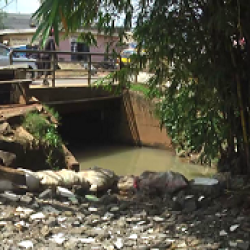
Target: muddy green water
{"x": 133, "y": 160}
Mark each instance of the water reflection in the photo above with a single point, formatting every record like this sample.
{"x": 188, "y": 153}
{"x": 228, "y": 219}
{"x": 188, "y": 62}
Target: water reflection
{"x": 133, "y": 160}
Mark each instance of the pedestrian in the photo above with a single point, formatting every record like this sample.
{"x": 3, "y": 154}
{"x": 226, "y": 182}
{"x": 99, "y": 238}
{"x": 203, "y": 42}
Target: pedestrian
{"x": 38, "y": 58}
{"x": 49, "y": 46}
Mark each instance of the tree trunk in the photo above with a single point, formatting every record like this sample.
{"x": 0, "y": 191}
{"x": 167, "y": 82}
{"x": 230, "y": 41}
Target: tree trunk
{"x": 243, "y": 122}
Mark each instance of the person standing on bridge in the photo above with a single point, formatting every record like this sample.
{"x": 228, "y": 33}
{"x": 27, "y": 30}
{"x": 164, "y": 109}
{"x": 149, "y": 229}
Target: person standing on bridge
{"x": 49, "y": 46}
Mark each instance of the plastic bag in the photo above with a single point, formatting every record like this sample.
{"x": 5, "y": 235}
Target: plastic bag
{"x": 32, "y": 180}
{"x": 99, "y": 179}
{"x": 162, "y": 182}
{"x": 126, "y": 183}
{"x": 50, "y": 178}
{"x": 69, "y": 177}
{"x": 64, "y": 178}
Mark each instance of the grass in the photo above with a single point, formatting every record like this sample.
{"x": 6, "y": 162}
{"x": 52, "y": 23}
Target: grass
{"x": 45, "y": 134}
{"x": 140, "y": 88}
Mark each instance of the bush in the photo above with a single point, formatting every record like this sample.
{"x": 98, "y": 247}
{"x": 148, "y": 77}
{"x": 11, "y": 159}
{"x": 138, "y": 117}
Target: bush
{"x": 45, "y": 134}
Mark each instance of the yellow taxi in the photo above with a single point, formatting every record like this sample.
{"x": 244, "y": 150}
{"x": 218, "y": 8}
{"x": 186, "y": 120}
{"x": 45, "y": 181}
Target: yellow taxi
{"x": 127, "y": 53}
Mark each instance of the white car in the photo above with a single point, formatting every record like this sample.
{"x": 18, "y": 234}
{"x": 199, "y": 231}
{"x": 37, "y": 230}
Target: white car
{"x": 5, "y": 61}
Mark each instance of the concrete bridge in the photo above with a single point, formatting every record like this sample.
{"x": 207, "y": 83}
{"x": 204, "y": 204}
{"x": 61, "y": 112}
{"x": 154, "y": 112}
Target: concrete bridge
{"x": 91, "y": 114}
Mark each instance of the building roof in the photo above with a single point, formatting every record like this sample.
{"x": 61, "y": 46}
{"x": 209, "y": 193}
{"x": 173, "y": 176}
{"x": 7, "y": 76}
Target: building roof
{"x": 17, "y": 21}
{"x": 30, "y": 31}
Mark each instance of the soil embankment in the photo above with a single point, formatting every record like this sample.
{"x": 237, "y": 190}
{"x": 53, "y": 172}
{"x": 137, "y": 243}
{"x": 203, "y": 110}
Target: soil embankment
{"x": 19, "y": 148}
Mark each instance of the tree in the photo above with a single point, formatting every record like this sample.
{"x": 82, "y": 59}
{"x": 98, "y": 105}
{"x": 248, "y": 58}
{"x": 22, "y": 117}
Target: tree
{"x": 200, "y": 47}
{"x": 3, "y": 14}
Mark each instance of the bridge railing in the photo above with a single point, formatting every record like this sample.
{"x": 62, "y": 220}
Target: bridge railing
{"x": 89, "y": 65}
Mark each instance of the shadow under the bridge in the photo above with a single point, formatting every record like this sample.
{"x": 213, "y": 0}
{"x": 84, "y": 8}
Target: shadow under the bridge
{"x": 99, "y": 123}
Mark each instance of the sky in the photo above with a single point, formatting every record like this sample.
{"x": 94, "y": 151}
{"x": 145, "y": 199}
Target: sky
{"x": 20, "y": 6}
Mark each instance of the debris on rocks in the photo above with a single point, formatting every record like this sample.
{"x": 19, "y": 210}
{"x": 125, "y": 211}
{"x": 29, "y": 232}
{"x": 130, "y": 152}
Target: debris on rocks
{"x": 180, "y": 217}
{"x": 160, "y": 182}
{"x": 126, "y": 184}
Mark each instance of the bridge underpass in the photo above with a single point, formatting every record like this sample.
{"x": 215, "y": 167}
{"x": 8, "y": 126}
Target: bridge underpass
{"x": 99, "y": 114}
{"x": 88, "y": 115}
{"x": 92, "y": 114}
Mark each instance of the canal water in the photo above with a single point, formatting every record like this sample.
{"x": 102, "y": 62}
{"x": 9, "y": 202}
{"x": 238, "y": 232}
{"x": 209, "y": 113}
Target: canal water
{"x": 129, "y": 160}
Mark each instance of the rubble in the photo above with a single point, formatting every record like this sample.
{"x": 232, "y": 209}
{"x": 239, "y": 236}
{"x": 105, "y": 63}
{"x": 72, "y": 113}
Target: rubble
{"x": 60, "y": 218}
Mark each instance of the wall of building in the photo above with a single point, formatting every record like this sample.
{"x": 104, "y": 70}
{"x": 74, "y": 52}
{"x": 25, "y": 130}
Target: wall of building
{"x": 102, "y": 41}
{"x": 17, "y": 39}
{"x": 64, "y": 44}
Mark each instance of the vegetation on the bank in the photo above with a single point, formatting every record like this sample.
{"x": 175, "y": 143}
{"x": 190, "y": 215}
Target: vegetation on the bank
{"x": 140, "y": 88}
{"x": 201, "y": 48}
{"x": 45, "y": 133}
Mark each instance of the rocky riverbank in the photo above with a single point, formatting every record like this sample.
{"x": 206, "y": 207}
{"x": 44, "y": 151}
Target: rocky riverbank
{"x": 187, "y": 219}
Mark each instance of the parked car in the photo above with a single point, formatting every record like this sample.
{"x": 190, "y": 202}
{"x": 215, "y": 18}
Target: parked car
{"x": 19, "y": 54}
{"x": 25, "y": 54}
{"x": 5, "y": 60}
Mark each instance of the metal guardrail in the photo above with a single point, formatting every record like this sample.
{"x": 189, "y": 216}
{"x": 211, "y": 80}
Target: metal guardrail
{"x": 54, "y": 62}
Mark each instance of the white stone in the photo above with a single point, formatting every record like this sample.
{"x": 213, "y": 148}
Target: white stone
{"x": 23, "y": 212}
{"x": 37, "y": 216}
{"x": 158, "y": 219}
{"x": 27, "y": 244}
{"x": 201, "y": 198}
{"x": 189, "y": 197}
{"x": 234, "y": 227}
{"x": 133, "y": 237}
{"x": 205, "y": 181}
{"x": 93, "y": 188}
{"x": 87, "y": 240}
{"x": 22, "y": 224}
{"x": 65, "y": 192}
{"x": 141, "y": 222}
{"x": 108, "y": 216}
{"x": 58, "y": 238}
{"x": 119, "y": 243}
{"x": 92, "y": 209}
{"x": 182, "y": 245}
{"x": 114, "y": 209}
{"x": 223, "y": 233}
{"x": 61, "y": 219}
{"x": 110, "y": 247}
{"x": 232, "y": 244}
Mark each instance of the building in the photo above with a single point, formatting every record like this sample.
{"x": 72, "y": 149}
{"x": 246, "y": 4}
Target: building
{"x": 20, "y": 28}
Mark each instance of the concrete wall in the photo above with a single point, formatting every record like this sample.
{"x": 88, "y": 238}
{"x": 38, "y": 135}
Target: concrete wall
{"x": 139, "y": 125}
{"x": 67, "y": 94}
{"x": 129, "y": 119}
